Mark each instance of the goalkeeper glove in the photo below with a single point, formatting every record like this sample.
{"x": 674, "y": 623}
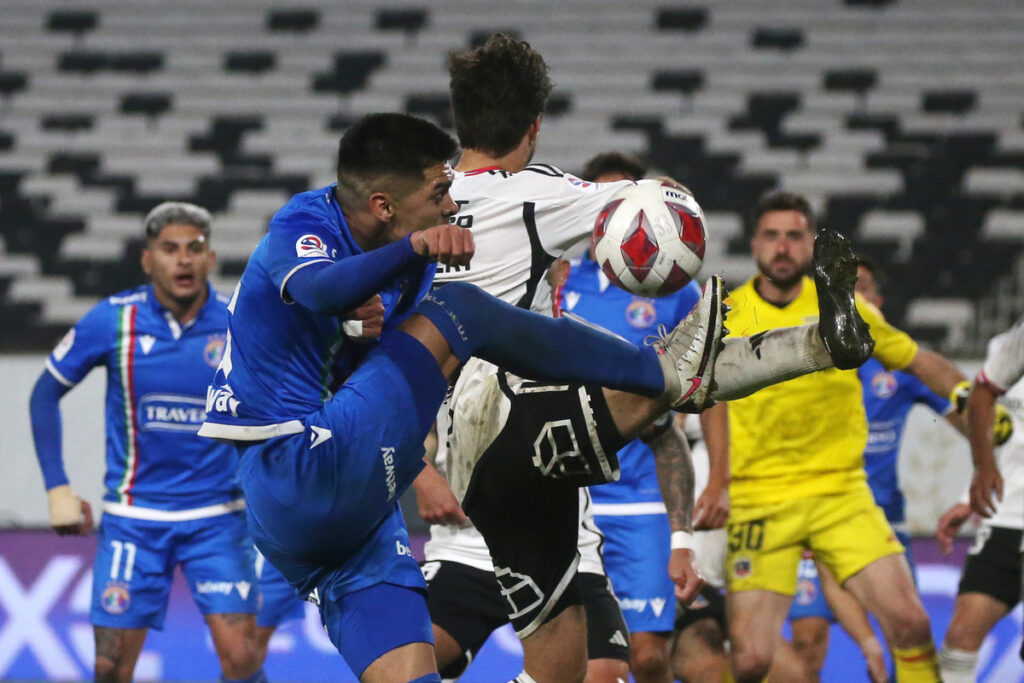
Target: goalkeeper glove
{"x": 1003, "y": 428}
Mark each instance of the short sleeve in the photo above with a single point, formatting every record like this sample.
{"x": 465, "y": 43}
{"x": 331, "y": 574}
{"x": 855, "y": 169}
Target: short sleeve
{"x": 894, "y": 348}
{"x": 567, "y": 213}
{"x": 85, "y": 346}
{"x": 296, "y": 240}
{"x": 1004, "y": 360}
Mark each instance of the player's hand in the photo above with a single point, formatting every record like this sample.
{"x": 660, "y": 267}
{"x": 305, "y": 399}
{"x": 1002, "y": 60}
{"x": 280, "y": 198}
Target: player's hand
{"x": 711, "y": 511}
{"x": 986, "y": 491}
{"x": 447, "y": 244}
{"x": 689, "y": 583}
{"x": 872, "y": 650}
{"x": 367, "y": 321}
{"x": 949, "y": 524}
{"x": 69, "y": 514}
{"x": 435, "y": 500}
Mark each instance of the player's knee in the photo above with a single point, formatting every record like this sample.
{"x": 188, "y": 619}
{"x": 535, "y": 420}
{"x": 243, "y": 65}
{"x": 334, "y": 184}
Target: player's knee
{"x": 910, "y": 628}
{"x": 751, "y": 664}
{"x": 241, "y": 659}
{"x": 648, "y": 661}
{"x": 458, "y": 296}
{"x": 961, "y": 636}
{"x": 110, "y": 670}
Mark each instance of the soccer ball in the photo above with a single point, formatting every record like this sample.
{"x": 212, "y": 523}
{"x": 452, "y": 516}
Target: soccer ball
{"x": 649, "y": 238}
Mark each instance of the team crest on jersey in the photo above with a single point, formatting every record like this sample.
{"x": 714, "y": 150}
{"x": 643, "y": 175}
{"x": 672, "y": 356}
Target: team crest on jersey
{"x": 580, "y": 183}
{"x": 309, "y": 246}
{"x": 640, "y": 313}
{"x": 214, "y": 350}
{"x": 883, "y": 384}
{"x": 742, "y": 567}
{"x": 115, "y": 598}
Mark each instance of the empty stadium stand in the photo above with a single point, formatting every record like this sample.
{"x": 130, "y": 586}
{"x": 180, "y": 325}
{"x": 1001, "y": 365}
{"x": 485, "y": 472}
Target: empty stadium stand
{"x": 903, "y": 120}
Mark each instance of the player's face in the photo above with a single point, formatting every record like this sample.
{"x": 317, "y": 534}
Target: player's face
{"x": 783, "y": 246}
{"x": 867, "y": 287}
{"x": 427, "y": 205}
{"x": 178, "y": 261}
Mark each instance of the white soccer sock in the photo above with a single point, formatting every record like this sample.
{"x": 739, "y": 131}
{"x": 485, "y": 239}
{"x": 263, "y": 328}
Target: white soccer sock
{"x": 747, "y": 364}
{"x": 523, "y": 677}
{"x": 957, "y": 666}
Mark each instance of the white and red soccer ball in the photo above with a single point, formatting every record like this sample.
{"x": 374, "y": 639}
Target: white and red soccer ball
{"x": 650, "y": 238}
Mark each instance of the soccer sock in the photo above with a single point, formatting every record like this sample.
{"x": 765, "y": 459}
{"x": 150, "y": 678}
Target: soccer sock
{"x": 523, "y": 677}
{"x": 536, "y": 347}
{"x": 258, "y": 677}
{"x": 916, "y": 664}
{"x": 957, "y": 666}
{"x": 747, "y": 364}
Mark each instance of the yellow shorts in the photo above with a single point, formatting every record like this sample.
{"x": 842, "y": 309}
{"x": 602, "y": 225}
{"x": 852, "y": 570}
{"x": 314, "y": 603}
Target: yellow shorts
{"x": 846, "y": 531}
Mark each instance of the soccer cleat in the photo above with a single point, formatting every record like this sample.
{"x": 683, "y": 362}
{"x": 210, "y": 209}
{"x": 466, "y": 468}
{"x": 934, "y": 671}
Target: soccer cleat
{"x": 846, "y": 336}
{"x": 687, "y": 354}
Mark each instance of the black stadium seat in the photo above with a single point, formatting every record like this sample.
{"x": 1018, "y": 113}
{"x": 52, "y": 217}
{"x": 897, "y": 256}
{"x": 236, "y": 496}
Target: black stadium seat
{"x": 350, "y": 73}
{"x": 68, "y": 122}
{"x": 293, "y": 20}
{"x": 948, "y": 101}
{"x": 408, "y": 19}
{"x": 690, "y": 19}
{"x": 252, "y": 62}
{"x": 784, "y": 39}
{"x": 147, "y": 104}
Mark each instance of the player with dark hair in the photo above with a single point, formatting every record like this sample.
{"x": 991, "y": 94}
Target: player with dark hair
{"x": 331, "y": 430}
{"x": 611, "y": 166}
{"x": 798, "y": 477}
{"x": 172, "y": 498}
{"x": 522, "y": 217}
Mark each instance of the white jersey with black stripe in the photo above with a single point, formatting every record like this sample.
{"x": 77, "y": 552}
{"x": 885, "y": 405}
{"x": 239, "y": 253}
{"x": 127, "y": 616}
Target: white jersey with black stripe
{"x": 521, "y": 222}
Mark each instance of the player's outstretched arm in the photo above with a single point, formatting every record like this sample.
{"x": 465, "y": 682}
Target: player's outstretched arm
{"x": 949, "y": 525}
{"x": 68, "y": 513}
{"x": 936, "y": 371}
{"x": 446, "y": 244}
{"x": 987, "y": 485}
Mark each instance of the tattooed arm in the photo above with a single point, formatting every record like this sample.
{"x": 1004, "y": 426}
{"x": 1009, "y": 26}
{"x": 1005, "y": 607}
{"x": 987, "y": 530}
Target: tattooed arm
{"x": 675, "y": 479}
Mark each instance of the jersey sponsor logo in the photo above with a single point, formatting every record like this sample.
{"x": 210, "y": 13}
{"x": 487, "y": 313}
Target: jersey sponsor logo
{"x": 657, "y": 605}
{"x": 214, "y": 349}
{"x": 64, "y": 346}
{"x": 618, "y": 639}
{"x": 146, "y": 342}
{"x": 137, "y": 297}
{"x": 581, "y": 183}
{"x": 883, "y": 384}
{"x": 641, "y": 313}
{"x": 402, "y": 550}
{"x": 309, "y": 246}
{"x": 222, "y": 401}
{"x": 571, "y": 299}
{"x": 171, "y": 412}
{"x": 387, "y": 454}
{"x": 243, "y": 588}
{"x": 116, "y": 598}
{"x": 318, "y": 436}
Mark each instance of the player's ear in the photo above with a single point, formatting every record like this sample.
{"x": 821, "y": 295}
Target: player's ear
{"x": 147, "y": 261}
{"x": 382, "y": 206}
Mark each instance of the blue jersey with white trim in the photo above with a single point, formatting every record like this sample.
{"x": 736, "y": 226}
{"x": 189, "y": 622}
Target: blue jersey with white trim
{"x": 589, "y": 294}
{"x": 888, "y": 398}
{"x": 282, "y": 360}
{"x": 157, "y": 375}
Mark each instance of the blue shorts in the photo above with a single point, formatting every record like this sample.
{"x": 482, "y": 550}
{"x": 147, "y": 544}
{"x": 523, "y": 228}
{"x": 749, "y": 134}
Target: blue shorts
{"x": 278, "y": 600}
{"x": 809, "y": 600}
{"x": 135, "y": 561}
{"x": 370, "y": 622}
{"x": 323, "y": 504}
{"x": 636, "y": 554}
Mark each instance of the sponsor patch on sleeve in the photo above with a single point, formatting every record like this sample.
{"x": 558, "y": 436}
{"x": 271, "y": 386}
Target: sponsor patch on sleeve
{"x": 309, "y": 246}
{"x": 64, "y": 346}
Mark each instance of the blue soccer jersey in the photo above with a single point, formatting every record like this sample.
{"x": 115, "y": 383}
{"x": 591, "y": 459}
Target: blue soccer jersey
{"x": 589, "y": 294}
{"x": 158, "y": 372}
{"x": 888, "y": 398}
{"x": 283, "y": 361}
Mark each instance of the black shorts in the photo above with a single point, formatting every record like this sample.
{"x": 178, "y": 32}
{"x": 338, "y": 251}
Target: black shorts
{"x": 710, "y": 604}
{"x": 523, "y": 496}
{"x": 466, "y": 602}
{"x": 993, "y": 565}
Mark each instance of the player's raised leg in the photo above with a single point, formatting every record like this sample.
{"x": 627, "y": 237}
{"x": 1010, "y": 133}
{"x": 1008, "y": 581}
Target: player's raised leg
{"x": 755, "y": 620}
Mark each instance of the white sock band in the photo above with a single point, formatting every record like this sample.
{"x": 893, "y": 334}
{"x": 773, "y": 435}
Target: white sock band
{"x": 523, "y": 677}
{"x": 747, "y": 364}
{"x": 957, "y": 666}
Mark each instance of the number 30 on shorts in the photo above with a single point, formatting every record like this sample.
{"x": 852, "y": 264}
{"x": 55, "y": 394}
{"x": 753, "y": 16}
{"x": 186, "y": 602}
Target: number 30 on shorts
{"x": 746, "y": 535}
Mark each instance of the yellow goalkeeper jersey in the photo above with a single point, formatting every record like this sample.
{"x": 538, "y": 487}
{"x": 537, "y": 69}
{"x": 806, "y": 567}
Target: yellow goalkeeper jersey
{"x": 804, "y": 437}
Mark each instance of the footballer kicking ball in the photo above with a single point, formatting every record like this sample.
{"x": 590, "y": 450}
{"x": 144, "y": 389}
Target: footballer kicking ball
{"x": 649, "y": 238}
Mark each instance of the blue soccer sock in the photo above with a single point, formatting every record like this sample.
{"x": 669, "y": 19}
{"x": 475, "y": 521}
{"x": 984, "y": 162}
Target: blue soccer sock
{"x": 537, "y": 347}
{"x": 258, "y": 677}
